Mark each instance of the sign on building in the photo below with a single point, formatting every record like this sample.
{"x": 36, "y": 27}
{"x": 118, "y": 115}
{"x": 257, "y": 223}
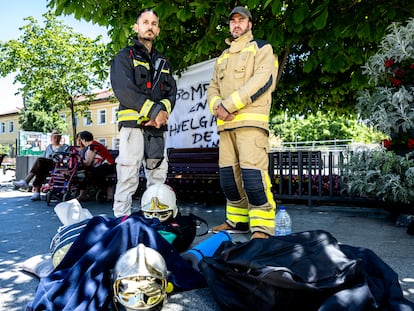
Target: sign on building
{"x": 35, "y": 143}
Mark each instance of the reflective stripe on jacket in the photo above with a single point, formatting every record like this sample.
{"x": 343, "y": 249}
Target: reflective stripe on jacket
{"x": 143, "y": 83}
{"x": 232, "y": 84}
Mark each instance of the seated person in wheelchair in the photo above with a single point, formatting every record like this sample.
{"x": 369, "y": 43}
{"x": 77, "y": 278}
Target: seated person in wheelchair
{"x": 43, "y": 165}
{"x": 98, "y": 163}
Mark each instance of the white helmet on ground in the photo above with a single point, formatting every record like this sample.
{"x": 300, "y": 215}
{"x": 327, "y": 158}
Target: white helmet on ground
{"x": 159, "y": 201}
{"x": 140, "y": 280}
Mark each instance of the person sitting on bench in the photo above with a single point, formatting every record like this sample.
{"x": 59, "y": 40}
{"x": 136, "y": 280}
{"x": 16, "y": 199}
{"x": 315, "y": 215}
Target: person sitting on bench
{"x": 43, "y": 165}
{"x": 98, "y": 162}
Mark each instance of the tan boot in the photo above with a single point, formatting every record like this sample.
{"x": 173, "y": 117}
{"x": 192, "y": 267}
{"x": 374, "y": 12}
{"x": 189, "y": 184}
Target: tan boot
{"x": 259, "y": 235}
{"x": 226, "y": 227}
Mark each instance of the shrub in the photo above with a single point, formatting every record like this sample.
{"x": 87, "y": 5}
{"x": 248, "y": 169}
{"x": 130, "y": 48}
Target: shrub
{"x": 380, "y": 174}
{"x": 389, "y": 104}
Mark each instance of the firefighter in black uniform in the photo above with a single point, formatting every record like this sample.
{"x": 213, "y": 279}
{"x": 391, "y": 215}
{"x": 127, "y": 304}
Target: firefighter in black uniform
{"x": 144, "y": 85}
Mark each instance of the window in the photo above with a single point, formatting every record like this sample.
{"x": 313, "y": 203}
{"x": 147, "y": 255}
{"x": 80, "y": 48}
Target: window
{"x": 114, "y": 112}
{"x": 102, "y": 116}
{"x": 87, "y": 119}
{"x": 11, "y": 126}
{"x": 115, "y": 143}
{"x": 2, "y": 127}
{"x": 102, "y": 141}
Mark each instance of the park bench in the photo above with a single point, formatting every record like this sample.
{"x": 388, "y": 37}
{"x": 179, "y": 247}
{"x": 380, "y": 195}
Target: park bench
{"x": 7, "y": 163}
{"x": 194, "y": 172}
{"x": 191, "y": 163}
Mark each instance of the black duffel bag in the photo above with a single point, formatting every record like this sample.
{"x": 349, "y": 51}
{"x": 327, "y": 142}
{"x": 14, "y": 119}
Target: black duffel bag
{"x": 295, "y": 272}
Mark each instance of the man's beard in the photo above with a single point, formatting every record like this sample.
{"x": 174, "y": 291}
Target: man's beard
{"x": 241, "y": 33}
{"x": 145, "y": 37}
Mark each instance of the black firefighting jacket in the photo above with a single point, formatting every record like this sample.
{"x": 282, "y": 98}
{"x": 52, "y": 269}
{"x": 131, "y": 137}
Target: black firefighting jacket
{"x": 143, "y": 84}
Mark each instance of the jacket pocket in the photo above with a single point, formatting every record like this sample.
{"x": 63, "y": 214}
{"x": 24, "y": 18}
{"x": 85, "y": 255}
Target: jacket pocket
{"x": 262, "y": 141}
{"x": 141, "y": 76}
{"x": 240, "y": 72}
{"x": 153, "y": 147}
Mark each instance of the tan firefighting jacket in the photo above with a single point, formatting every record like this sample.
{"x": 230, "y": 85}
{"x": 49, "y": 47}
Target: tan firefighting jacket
{"x": 244, "y": 78}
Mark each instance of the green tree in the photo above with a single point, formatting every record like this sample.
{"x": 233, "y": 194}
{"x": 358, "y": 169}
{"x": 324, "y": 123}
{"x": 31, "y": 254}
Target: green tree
{"x": 323, "y": 126}
{"x": 321, "y": 44}
{"x": 55, "y": 66}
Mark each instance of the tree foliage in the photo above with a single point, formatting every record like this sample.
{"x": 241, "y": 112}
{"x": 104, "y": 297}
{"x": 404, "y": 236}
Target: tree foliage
{"x": 387, "y": 172}
{"x": 55, "y": 66}
{"x": 322, "y": 126}
{"x": 389, "y": 103}
{"x": 321, "y": 44}
{"x": 380, "y": 174}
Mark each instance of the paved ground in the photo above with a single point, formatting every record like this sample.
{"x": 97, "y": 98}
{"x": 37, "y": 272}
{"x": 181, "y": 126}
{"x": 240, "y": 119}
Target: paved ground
{"x": 26, "y": 229}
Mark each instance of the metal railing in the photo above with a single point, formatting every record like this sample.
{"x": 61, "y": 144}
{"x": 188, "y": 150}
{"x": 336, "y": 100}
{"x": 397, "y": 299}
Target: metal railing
{"x": 315, "y": 145}
{"x": 309, "y": 176}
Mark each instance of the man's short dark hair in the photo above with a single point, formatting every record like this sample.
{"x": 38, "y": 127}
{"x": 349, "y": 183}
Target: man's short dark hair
{"x": 145, "y": 11}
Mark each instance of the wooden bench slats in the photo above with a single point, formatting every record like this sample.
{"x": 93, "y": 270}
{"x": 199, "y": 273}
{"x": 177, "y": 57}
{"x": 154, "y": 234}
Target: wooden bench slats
{"x": 193, "y": 172}
{"x": 193, "y": 163}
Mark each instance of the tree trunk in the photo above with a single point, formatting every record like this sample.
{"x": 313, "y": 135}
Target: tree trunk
{"x": 72, "y": 112}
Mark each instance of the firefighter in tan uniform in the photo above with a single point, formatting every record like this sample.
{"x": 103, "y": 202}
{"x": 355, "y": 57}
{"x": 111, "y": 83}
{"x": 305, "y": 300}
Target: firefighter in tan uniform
{"x": 239, "y": 96}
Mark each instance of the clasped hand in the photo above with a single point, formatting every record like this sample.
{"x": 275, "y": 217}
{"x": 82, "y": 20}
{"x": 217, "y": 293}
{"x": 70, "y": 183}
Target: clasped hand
{"x": 222, "y": 114}
{"x": 160, "y": 120}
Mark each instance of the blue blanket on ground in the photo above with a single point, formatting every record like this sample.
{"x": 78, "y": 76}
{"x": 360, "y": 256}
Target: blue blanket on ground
{"x": 82, "y": 281}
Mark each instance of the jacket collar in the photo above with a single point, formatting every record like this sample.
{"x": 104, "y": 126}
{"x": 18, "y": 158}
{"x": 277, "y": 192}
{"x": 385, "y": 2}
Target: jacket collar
{"x": 239, "y": 43}
{"x": 138, "y": 46}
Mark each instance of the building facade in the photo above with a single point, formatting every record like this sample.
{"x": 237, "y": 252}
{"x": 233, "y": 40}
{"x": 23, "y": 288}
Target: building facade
{"x": 9, "y": 129}
{"x": 100, "y": 120}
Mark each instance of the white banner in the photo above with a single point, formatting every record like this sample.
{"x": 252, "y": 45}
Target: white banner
{"x": 191, "y": 123}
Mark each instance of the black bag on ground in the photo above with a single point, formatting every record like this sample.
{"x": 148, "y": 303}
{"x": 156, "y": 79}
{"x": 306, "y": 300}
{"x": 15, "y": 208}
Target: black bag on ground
{"x": 410, "y": 229}
{"x": 295, "y": 272}
{"x": 185, "y": 228}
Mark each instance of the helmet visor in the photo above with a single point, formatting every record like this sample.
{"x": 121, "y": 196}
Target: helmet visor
{"x": 156, "y": 209}
{"x": 162, "y": 216}
{"x": 139, "y": 292}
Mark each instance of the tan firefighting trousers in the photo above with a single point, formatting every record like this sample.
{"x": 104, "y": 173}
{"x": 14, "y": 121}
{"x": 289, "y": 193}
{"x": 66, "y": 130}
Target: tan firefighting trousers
{"x": 244, "y": 177}
{"x": 128, "y": 163}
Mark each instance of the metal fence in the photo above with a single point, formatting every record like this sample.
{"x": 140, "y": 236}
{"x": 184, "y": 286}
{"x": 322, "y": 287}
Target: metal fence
{"x": 315, "y": 145}
{"x": 309, "y": 176}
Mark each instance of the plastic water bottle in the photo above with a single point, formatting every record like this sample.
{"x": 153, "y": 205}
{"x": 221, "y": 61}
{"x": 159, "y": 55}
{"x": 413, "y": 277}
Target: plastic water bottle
{"x": 283, "y": 223}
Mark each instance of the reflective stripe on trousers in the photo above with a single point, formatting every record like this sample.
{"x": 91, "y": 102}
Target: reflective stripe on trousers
{"x": 244, "y": 162}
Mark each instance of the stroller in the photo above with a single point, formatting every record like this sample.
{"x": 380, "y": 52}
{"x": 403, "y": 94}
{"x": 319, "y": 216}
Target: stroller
{"x": 62, "y": 183}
